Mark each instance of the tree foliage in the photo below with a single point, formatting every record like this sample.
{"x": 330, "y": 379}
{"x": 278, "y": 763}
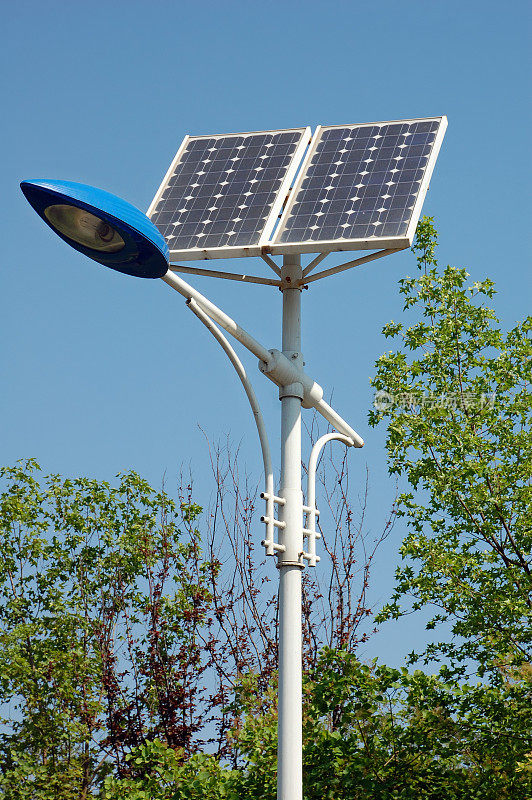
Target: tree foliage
{"x": 101, "y": 602}
{"x": 390, "y": 734}
{"x": 456, "y": 397}
{"x": 123, "y": 637}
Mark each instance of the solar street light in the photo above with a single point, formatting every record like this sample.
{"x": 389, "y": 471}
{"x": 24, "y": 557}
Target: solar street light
{"x": 287, "y": 193}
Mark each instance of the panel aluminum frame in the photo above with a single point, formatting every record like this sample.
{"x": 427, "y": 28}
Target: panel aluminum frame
{"x": 375, "y": 242}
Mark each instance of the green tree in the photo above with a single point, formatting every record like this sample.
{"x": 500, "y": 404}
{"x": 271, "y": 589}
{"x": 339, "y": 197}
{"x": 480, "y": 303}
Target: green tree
{"x": 160, "y": 773}
{"x": 456, "y": 397}
{"x": 102, "y": 593}
{"x": 390, "y": 734}
{"x": 121, "y": 643}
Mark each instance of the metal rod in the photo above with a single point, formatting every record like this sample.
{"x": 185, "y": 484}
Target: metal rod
{"x": 216, "y": 314}
{"x": 310, "y": 508}
{"x": 271, "y": 263}
{"x": 314, "y": 263}
{"x": 337, "y": 422}
{"x": 257, "y": 414}
{"x": 290, "y": 741}
{"x": 231, "y": 276}
{"x": 349, "y": 264}
{"x": 246, "y": 383}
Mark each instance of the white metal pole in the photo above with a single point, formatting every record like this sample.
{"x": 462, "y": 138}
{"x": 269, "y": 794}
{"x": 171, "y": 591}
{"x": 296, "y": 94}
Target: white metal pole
{"x": 289, "y": 751}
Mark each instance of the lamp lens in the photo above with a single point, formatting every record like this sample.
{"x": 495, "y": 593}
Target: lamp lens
{"x": 84, "y": 228}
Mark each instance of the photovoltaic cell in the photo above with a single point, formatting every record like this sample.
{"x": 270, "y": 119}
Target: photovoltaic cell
{"x": 221, "y": 190}
{"x": 361, "y": 182}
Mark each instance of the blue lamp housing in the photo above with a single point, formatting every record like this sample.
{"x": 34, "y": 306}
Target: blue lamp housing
{"x": 101, "y": 226}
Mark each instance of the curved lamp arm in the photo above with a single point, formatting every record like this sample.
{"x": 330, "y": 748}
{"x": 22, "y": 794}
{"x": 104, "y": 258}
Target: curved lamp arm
{"x": 310, "y": 509}
{"x": 257, "y": 414}
{"x": 274, "y": 364}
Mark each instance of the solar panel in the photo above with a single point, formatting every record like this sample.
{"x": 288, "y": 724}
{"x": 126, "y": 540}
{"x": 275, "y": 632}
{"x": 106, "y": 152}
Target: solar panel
{"x": 223, "y": 194}
{"x": 361, "y": 187}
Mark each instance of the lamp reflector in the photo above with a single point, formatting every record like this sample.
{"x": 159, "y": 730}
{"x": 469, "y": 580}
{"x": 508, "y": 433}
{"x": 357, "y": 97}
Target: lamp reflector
{"x": 84, "y": 228}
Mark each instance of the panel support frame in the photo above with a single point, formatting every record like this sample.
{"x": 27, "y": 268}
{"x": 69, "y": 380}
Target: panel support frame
{"x": 230, "y": 276}
{"x": 349, "y": 265}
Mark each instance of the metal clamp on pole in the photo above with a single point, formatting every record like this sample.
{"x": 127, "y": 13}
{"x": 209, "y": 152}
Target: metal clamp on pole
{"x": 270, "y": 545}
{"x": 283, "y": 372}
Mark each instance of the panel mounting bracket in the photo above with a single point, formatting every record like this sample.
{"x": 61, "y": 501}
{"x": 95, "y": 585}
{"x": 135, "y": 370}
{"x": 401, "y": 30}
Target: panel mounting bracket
{"x": 347, "y": 265}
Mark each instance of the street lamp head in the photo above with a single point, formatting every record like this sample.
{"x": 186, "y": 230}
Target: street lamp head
{"x": 101, "y": 226}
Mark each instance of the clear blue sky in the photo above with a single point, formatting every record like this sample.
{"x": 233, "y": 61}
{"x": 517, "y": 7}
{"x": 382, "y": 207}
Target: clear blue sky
{"x": 100, "y": 372}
